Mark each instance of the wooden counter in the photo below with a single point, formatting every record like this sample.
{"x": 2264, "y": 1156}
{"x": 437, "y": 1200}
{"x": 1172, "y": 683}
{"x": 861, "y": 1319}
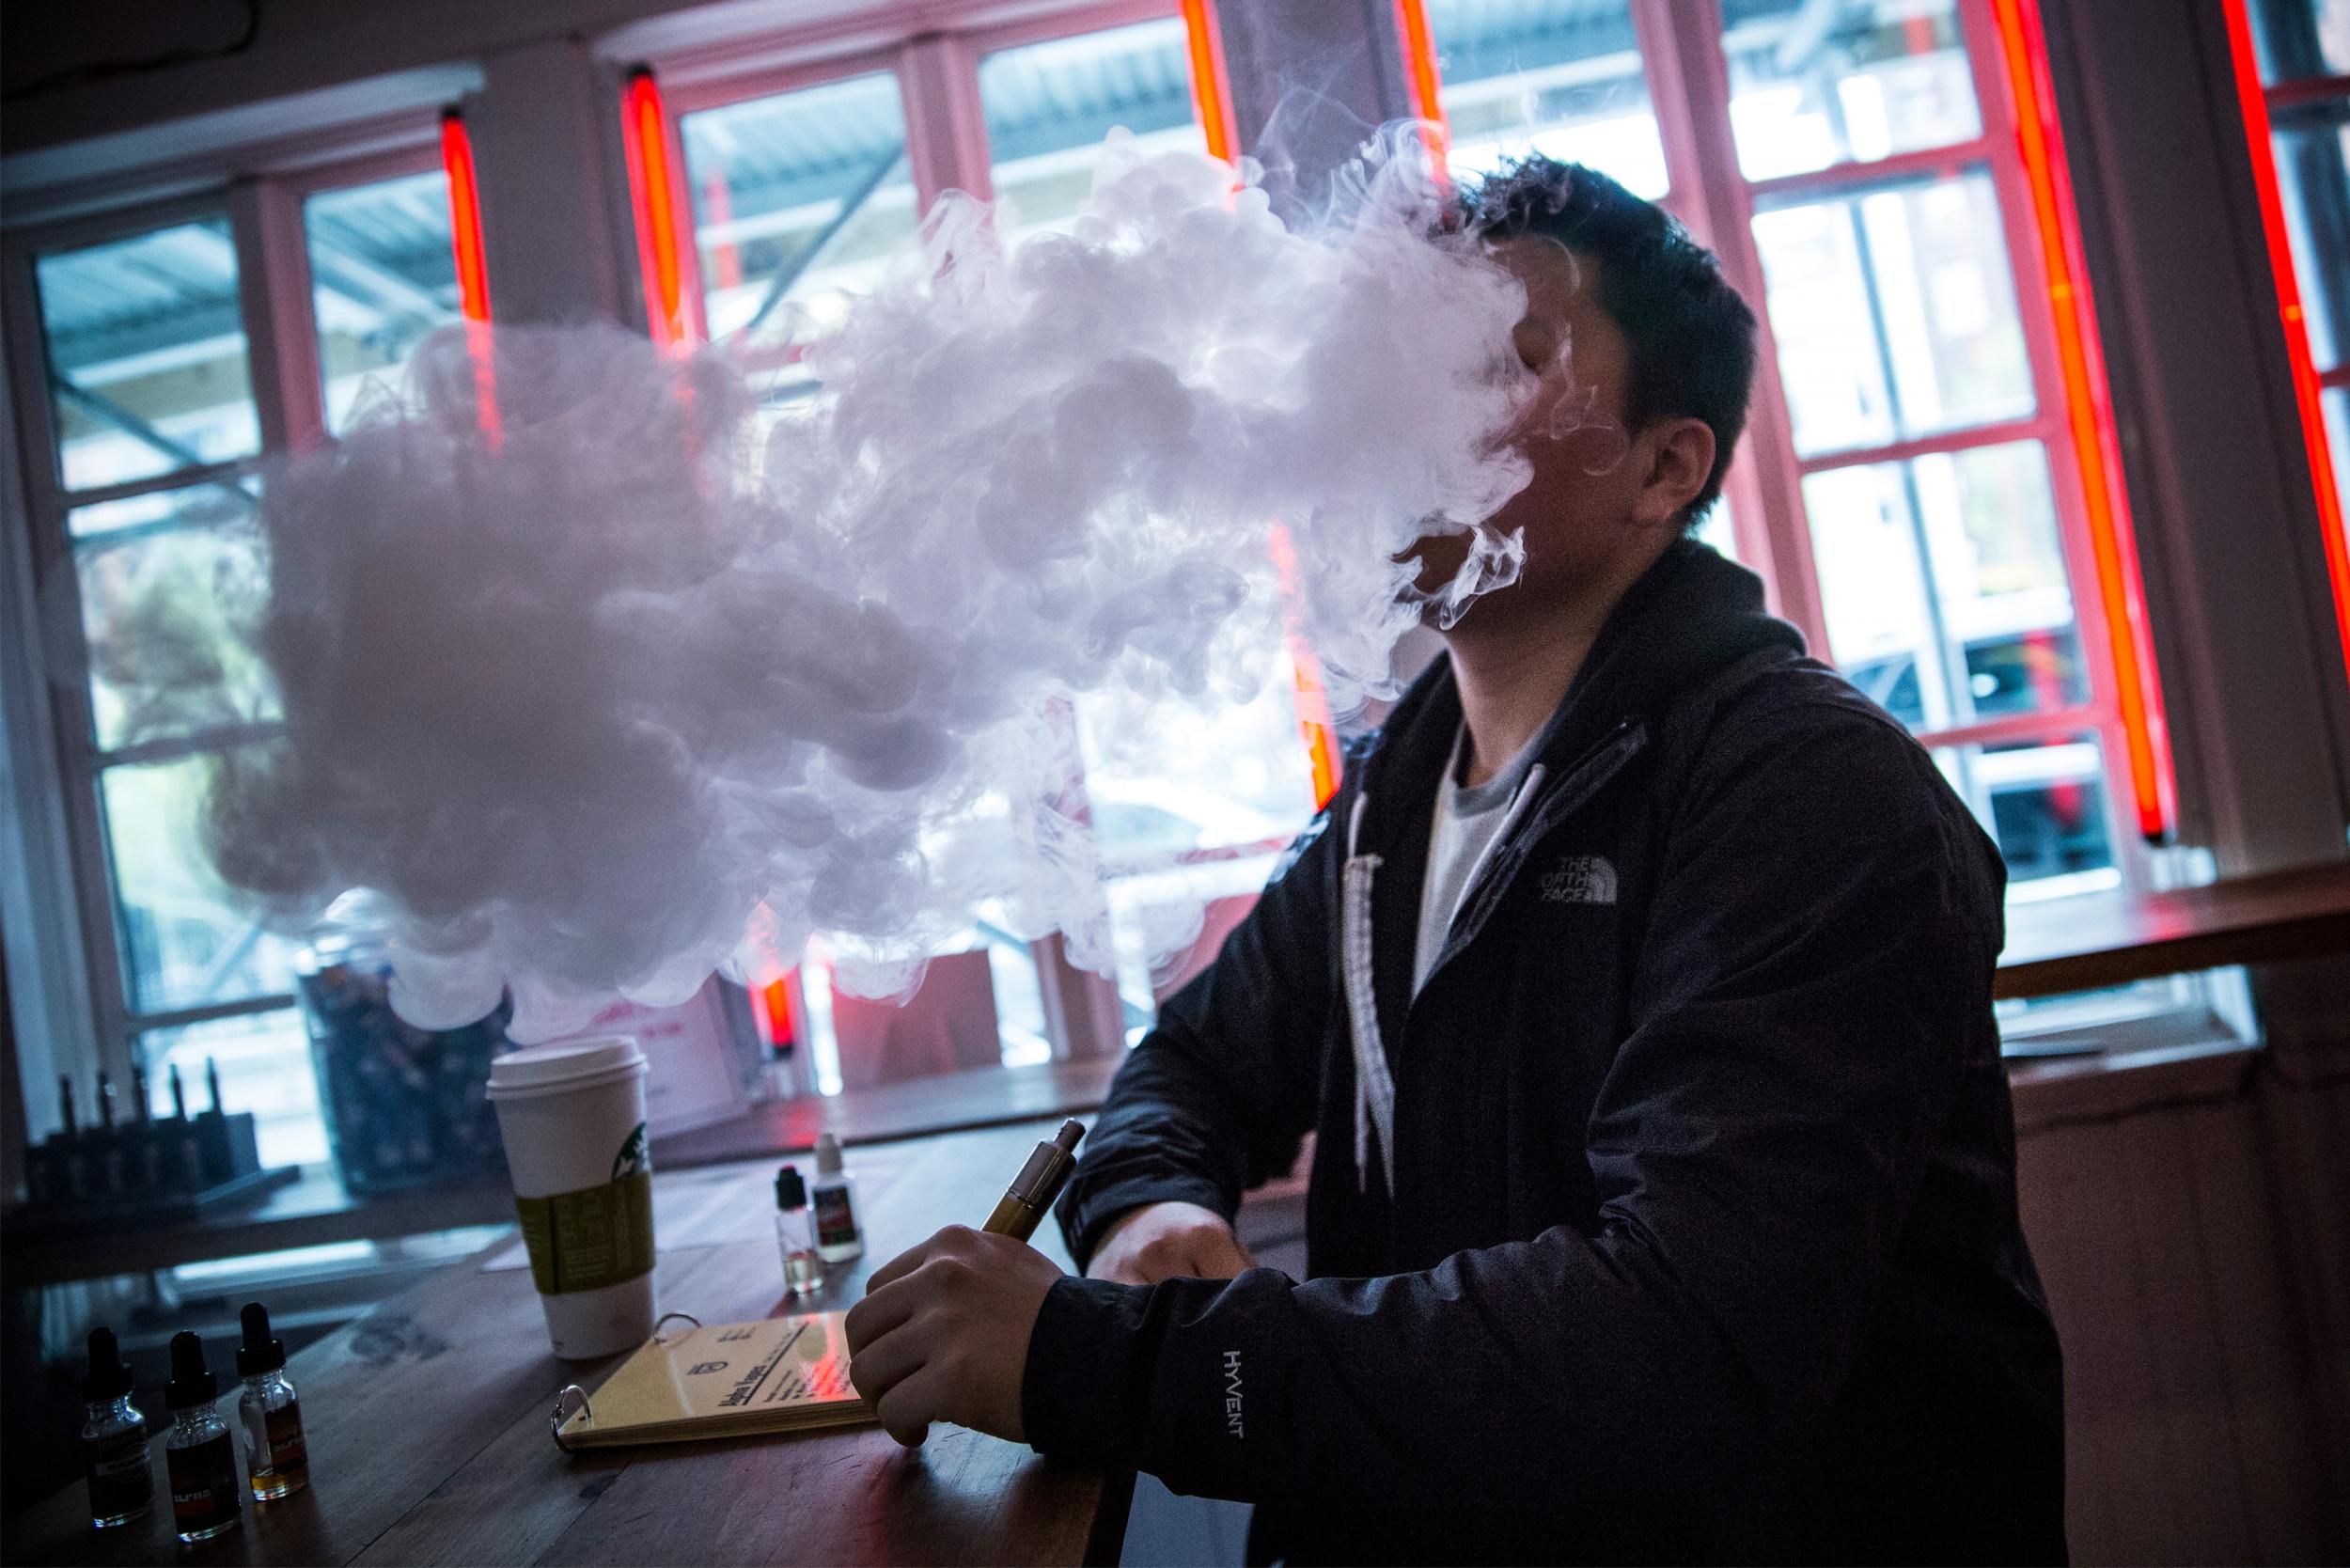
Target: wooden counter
{"x": 427, "y": 1422}
{"x": 2113, "y": 938}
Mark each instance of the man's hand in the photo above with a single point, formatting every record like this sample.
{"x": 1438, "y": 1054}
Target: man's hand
{"x": 1170, "y": 1241}
{"x": 942, "y": 1334}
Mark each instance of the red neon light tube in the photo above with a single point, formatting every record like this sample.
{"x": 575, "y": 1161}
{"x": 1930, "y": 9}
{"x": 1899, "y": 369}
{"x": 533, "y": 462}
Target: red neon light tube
{"x": 1313, "y": 701}
{"x": 465, "y": 215}
{"x": 1426, "y": 82}
{"x": 473, "y": 267}
{"x": 2089, "y": 411}
{"x": 1210, "y": 93}
{"x": 1211, "y": 86}
{"x": 654, "y": 194}
{"x": 2306, "y": 394}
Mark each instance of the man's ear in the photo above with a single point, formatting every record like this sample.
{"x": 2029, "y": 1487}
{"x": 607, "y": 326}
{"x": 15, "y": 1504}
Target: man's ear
{"x": 1681, "y": 460}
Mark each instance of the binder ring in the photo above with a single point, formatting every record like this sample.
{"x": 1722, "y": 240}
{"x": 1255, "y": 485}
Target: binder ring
{"x": 571, "y": 1399}
{"x": 666, "y": 1316}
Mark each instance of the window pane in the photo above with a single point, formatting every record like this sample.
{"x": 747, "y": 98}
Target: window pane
{"x": 168, "y": 580}
{"x": 2300, "y": 39}
{"x": 1813, "y": 85}
{"x": 382, "y": 275}
{"x": 2314, "y": 178}
{"x": 1894, "y": 313}
{"x": 2044, "y": 803}
{"x": 147, "y": 354}
{"x": 1048, "y": 106}
{"x": 186, "y": 941}
{"x": 265, "y": 1063}
{"x": 1557, "y": 78}
{"x": 798, "y": 200}
{"x": 1944, "y": 585}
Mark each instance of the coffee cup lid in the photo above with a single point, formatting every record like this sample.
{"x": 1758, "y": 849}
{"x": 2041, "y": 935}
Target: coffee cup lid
{"x": 565, "y": 1064}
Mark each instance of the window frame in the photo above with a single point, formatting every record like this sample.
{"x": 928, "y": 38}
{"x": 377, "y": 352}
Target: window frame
{"x": 1689, "y": 87}
{"x": 2264, "y": 100}
{"x": 278, "y": 317}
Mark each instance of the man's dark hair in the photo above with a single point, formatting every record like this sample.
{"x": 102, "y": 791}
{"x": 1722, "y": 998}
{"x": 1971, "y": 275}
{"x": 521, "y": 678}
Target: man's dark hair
{"x": 1692, "y": 336}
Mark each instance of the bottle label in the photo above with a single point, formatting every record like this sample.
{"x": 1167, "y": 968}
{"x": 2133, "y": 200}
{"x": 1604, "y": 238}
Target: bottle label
{"x": 116, "y": 1454}
{"x": 203, "y": 1483}
{"x": 835, "y": 1224}
{"x": 588, "y": 1239}
{"x": 287, "y": 1451}
{"x": 119, "y": 1480}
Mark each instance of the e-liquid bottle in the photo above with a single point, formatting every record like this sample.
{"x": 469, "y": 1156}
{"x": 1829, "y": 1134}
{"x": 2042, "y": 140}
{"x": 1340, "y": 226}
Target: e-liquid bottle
{"x": 795, "y": 1235}
{"x": 113, "y": 1439}
{"x": 197, "y": 1454}
{"x": 837, "y": 1239}
{"x": 277, "y": 1459}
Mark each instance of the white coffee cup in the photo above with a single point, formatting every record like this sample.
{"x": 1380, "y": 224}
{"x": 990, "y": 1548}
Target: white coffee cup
{"x": 572, "y": 1116}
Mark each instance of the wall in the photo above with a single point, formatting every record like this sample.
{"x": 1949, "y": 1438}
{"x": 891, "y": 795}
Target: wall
{"x": 2188, "y": 1217}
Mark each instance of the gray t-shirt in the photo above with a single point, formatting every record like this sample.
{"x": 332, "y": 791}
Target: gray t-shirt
{"x": 1463, "y": 822}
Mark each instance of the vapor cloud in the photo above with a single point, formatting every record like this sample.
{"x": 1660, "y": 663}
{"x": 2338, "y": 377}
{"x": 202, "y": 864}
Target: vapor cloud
{"x": 578, "y": 704}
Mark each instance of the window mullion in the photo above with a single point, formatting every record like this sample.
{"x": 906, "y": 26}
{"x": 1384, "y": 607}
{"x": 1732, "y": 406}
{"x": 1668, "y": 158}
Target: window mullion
{"x": 276, "y": 275}
{"x": 938, "y": 85}
{"x": 1895, "y": 169}
{"x": 75, "y": 892}
{"x": 212, "y": 1012}
{"x": 1690, "y": 87}
{"x": 264, "y": 342}
{"x": 229, "y": 472}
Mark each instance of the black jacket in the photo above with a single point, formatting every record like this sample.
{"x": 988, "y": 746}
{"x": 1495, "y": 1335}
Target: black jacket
{"x": 1703, "y": 1242}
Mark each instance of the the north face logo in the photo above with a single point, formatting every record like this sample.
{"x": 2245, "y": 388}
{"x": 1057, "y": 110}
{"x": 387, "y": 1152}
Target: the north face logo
{"x": 1581, "y": 879}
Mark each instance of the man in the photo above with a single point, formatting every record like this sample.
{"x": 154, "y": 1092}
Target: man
{"x": 1637, "y": 989}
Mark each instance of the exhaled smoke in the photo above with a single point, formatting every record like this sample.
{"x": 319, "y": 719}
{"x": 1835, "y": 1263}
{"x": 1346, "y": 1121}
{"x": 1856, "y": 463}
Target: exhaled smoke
{"x": 580, "y": 700}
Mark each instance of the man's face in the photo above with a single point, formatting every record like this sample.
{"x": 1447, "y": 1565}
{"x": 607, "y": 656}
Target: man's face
{"x": 1585, "y": 502}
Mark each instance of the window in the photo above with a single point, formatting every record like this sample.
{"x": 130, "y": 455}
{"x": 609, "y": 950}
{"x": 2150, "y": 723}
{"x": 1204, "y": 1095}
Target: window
{"x": 798, "y": 200}
{"x": 1812, "y": 86}
{"x": 1567, "y": 84}
{"x": 158, "y": 423}
{"x": 155, "y": 427}
{"x": 1878, "y": 218}
{"x": 383, "y": 275}
{"x": 1048, "y": 107}
{"x": 2292, "y": 69}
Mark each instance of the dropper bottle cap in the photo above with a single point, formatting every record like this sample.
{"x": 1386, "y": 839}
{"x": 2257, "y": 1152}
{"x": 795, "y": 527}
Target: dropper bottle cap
{"x": 108, "y": 1379}
{"x": 259, "y": 1353}
{"x": 192, "y": 1381}
{"x": 791, "y": 1189}
{"x": 828, "y": 1155}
